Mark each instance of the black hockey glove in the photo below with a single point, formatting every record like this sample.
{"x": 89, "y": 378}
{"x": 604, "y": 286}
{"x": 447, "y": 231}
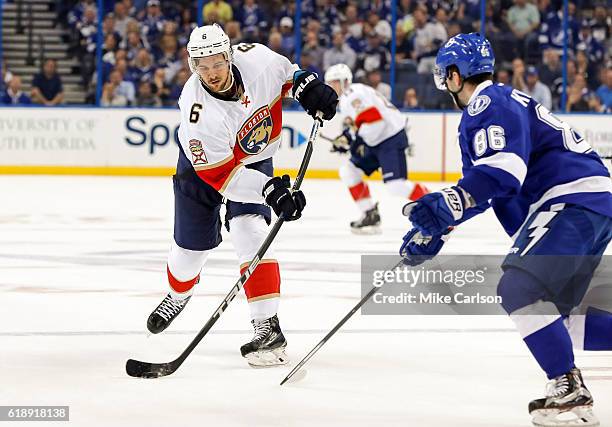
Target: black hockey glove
{"x": 281, "y": 200}
{"x": 342, "y": 143}
{"x": 314, "y": 95}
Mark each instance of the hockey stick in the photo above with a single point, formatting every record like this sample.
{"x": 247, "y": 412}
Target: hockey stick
{"x": 136, "y": 368}
{"x": 334, "y": 330}
{"x": 326, "y": 138}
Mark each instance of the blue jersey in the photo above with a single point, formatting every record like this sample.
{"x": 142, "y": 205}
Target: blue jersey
{"x": 518, "y": 157}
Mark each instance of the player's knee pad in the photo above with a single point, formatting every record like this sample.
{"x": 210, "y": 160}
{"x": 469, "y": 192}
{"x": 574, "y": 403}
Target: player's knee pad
{"x": 519, "y": 289}
{"x": 525, "y": 299}
{"x": 350, "y": 174}
{"x": 399, "y": 188}
{"x": 184, "y": 266}
{"x": 248, "y": 233}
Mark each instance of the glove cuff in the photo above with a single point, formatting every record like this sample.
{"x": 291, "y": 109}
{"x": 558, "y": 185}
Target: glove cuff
{"x": 455, "y": 201}
{"x": 273, "y": 183}
{"x": 301, "y": 79}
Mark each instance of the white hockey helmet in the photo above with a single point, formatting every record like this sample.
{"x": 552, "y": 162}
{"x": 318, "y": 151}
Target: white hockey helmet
{"x": 339, "y": 72}
{"x": 208, "y": 40}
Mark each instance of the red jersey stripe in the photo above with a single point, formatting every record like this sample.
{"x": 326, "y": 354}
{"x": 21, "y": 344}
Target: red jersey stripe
{"x": 217, "y": 176}
{"x": 369, "y": 115}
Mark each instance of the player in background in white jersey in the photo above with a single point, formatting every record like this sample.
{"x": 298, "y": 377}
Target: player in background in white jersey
{"x": 375, "y": 136}
{"x": 231, "y": 122}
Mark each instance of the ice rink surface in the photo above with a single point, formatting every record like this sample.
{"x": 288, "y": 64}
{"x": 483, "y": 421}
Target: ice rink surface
{"x": 82, "y": 264}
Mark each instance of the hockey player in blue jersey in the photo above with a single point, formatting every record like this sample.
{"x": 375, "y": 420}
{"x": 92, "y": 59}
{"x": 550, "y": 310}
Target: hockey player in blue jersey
{"x": 551, "y": 193}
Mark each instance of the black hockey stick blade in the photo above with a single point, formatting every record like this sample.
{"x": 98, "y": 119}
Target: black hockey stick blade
{"x": 138, "y": 369}
{"x": 295, "y": 371}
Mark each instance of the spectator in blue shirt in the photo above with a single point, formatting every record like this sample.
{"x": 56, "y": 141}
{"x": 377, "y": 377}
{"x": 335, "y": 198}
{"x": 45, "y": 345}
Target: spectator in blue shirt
{"x": 167, "y": 51}
{"x": 288, "y": 37}
{"x": 47, "y": 86}
{"x": 251, "y": 19}
{"x": 327, "y": 15}
{"x": 551, "y": 30}
{"x": 587, "y": 43}
{"x": 177, "y": 87}
{"x": 133, "y": 43}
{"x": 13, "y": 94}
{"x": 308, "y": 11}
{"x": 87, "y": 29}
{"x": 108, "y": 26}
{"x": 186, "y": 26}
{"x": 383, "y": 8}
{"x": 153, "y": 22}
{"x": 78, "y": 11}
{"x": 604, "y": 92}
{"x": 143, "y": 66}
{"x": 600, "y": 24}
{"x": 375, "y": 57}
{"x": 122, "y": 66}
{"x": 118, "y": 92}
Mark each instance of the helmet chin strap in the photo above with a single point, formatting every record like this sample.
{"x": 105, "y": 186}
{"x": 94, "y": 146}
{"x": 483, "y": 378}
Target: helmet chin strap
{"x": 344, "y": 85}
{"x": 455, "y": 95}
{"x": 231, "y": 80}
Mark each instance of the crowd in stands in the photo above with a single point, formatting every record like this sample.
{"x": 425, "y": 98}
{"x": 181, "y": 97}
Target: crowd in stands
{"x": 46, "y": 88}
{"x": 144, "y": 62}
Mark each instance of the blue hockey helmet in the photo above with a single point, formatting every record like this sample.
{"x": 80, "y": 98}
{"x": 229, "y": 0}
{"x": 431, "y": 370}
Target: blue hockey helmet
{"x": 470, "y": 53}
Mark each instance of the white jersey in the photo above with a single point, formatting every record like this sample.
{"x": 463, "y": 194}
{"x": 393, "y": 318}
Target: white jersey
{"x": 220, "y": 137}
{"x": 375, "y": 118}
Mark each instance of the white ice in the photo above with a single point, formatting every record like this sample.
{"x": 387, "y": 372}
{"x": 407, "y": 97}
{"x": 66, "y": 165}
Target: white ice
{"x": 82, "y": 263}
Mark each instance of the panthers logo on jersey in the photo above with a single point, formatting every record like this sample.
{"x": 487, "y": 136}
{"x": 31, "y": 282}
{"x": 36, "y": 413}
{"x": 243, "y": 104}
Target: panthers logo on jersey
{"x": 254, "y": 135}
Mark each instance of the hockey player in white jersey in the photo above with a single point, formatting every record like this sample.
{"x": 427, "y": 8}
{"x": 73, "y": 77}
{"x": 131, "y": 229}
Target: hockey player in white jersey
{"x": 231, "y": 122}
{"x": 375, "y": 136}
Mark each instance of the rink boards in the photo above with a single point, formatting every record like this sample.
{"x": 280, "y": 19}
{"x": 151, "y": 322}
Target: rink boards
{"x": 123, "y": 141}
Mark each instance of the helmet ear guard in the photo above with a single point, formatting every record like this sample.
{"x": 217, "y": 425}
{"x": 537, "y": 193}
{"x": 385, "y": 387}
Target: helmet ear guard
{"x": 439, "y": 76}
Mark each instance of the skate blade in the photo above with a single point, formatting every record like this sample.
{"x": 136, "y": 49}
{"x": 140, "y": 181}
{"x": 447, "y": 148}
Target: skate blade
{"x": 580, "y": 416}
{"x": 367, "y": 231}
{"x": 267, "y": 359}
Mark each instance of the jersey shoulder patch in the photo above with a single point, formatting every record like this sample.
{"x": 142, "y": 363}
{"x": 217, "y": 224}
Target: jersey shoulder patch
{"x": 478, "y": 105}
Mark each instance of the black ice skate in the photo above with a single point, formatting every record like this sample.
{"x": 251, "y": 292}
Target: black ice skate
{"x": 165, "y": 313}
{"x": 567, "y": 403}
{"x": 369, "y": 223}
{"x": 267, "y": 348}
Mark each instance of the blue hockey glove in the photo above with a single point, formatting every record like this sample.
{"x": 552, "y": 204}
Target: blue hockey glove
{"x": 433, "y": 213}
{"x": 417, "y": 248}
